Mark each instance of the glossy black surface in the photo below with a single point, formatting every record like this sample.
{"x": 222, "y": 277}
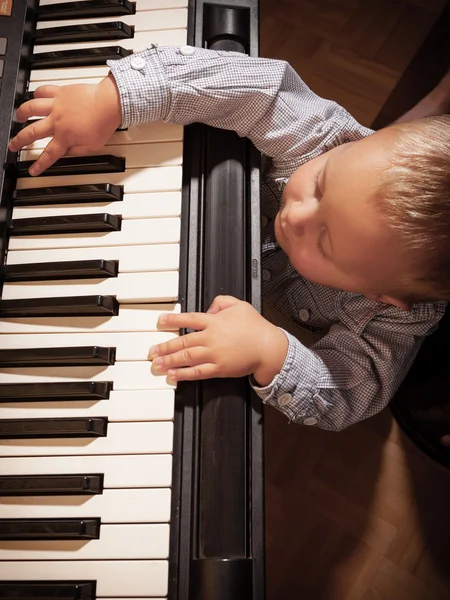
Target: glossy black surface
{"x": 77, "y": 165}
{"x": 58, "y": 357}
{"x": 47, "y": 590}
{"x": 85, "y": 57}
{"x": 87, "y": 32}
{"x": 90, "y": 223}
{"x": 70, "y": 306}
{"x": 50, "y": 485}
{"x": 86, "y": 9}
{"x": 61, "y": 391}
{"x": 49, "y": 529}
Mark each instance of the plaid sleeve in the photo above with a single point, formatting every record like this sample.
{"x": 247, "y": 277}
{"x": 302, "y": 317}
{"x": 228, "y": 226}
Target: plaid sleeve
{"x": 349, "y": 375}
{"x": 259, "y": 98}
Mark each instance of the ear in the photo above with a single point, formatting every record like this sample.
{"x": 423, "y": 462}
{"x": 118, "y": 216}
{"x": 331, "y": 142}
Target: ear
{"x": 394, "y": 302}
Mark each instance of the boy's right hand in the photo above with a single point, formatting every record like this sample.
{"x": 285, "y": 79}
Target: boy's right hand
{"x": 81, "y": 118}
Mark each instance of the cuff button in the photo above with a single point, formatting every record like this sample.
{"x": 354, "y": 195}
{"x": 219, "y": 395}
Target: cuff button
{"x": 187, "y": 50}
{"x": 284, "y": 399}
{"x": 137, "y": 63}
{"x": 310, "y": 421}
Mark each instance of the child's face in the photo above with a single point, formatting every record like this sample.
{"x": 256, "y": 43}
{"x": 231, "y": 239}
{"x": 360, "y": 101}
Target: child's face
{"x": 330, "y": 226}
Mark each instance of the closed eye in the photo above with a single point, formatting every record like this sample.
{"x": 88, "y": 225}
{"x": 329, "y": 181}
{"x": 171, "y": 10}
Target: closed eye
{"x": 317, "y": 192}
{"x": 319, "y": 245}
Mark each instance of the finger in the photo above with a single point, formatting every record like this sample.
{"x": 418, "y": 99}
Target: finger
{"x": 189, "y": 357}
{"x": 34, "y": 108}
{"x": 190, "y": 320}
{"x": 221, "y": 302}
{"x": 199, "y": 372}
{"x": 178, "y": 344}
{"x": 46, "y": 91}
{"x": 34, "y": 131}
{"x": 51, "y": 153}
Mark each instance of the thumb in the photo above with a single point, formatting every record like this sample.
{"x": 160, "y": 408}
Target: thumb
{"x": 221, "y": 302}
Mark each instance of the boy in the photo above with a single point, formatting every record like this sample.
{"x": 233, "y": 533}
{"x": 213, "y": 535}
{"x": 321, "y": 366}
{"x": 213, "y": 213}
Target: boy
{"x": 347, "y": 248}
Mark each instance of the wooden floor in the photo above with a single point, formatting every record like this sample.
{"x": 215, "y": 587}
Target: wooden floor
{"x": 361, "y": 514}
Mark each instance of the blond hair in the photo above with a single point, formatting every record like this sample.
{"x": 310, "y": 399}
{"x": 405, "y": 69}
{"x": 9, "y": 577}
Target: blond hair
{"x": 415, "y": 197}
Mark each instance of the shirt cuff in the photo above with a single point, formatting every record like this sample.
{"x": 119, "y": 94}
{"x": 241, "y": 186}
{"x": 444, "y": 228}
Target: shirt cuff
{"x": 294, "y": 391}
{"x": 143, "y": 87}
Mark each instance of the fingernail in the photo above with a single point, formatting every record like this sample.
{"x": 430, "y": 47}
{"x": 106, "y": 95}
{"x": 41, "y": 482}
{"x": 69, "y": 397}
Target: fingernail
{"x": 153, "y": 352}
{"x": 157, "y": 362}
{"x": 33, "y": 171}
{"x": 171, "y": 374}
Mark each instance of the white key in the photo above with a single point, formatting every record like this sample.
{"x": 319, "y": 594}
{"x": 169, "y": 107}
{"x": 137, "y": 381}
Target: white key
{"x": 128, "y": 471}
{"x": 132, "y": 232}
{"x": 153, "y": 132}
{"x": 150, "y": 179}
{"x": 129, "y": 346}
{"x": 131, "y": 259}
{"x": 143, "y": 579}
{"x": 144, "y": 19}
{"x": 121, "y": 438}
{"x": 141, "y": 40}
{"x": 129, "y": 406}
{"x": 124, "y": 375}
{"x": 133, "y": 206}
{"x": 116, "y": 542}
{"x": 131, "y": 317}
{"x": 127, "y": 287}
{"x": 113, "y": 506}
{"x": 137, "y": 156}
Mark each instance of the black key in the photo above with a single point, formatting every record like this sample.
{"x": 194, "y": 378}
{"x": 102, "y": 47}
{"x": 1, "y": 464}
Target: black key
{"x": 84, "y": 57}
{"x": 47, "y": 590}
{"x": 66, "y": 224}
{"x": 49, "y": 529}
{"x": 57, "y": 357}
{"x": 77, "y": 165}
{"x": 73, "y": 269}
{"x": 86, "y": 9}
{"x": 88, "y": 427}
{"x": 68, "y": 194}
{"x": 58, "y": 392}
{"x": 71, "y": 306}
{"x": 50, "y": 485}
{"x": 88, "y": 32}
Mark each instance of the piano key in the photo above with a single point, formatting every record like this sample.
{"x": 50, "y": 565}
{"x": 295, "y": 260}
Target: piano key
{"x": 81, "y": 390}
{"x": 62, "y": 194}
{"x": 148, "y": 4}
{"x": 88, "y": 9}
{"x": 151, "y": 179}
{"x": 61, "y": 590}
{"x": 89, "y": 32}
{"x": 125, "y": 406}
{"x": 13, "y": 429}
{"x": 53, "y": 357}
{"x": 127, "y": 287}
{"x": 135, "y": 155}
{"x": 132, "y": 232}
{"x": 123, "y": 375}
{"x": 122, "y": 438}
{"x": 114, "y": 506}
{"x": 104, "y": 306}
{"x": 145, "y": 19}
{"x": 139, "y": 42}
{"x": 127, "y": 471}
{"x": 143, "y": 579}
{"x": 127, "y": 346}
{"x": 133, "y": 206}
{"x": 66, "y": 224}
{"x": 76, "y": 165}
{"x": 116, "y": 542}
{"x": 130, "y": 259}
{"x": 49, "y": 529}
{"x": 71, "y": 269}
{"x": 132, "y": 317}
{"x": 153, "y": 132}
{"x": 82, "y": 57}
{"x": 38, "y": 485}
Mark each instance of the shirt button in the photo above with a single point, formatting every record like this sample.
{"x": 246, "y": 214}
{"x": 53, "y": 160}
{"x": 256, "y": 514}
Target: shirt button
{"x": 266, "y": 275}
{"x": 187, "y": 50}
{"x": 310, "y": 421}
{"x": 284, "y": 399}
{"x": 137, "y": 63}
{"x": 304, "y": 314}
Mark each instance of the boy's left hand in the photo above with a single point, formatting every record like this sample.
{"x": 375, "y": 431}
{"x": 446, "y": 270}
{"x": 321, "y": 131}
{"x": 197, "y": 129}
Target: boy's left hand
{"x": 231, "y": 340}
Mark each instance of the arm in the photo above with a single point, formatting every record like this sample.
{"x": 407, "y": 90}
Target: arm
{"x": 259, "y": 98}
{"x": 349, "y": 375}
{"x": 346, "y": 377}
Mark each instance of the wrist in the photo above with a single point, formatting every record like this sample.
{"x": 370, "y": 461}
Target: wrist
{"x": 275, "y": 348}
{"x": 109, "y": 99}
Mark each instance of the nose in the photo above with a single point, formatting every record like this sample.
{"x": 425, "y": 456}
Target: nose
{"x": 299, "y": 215}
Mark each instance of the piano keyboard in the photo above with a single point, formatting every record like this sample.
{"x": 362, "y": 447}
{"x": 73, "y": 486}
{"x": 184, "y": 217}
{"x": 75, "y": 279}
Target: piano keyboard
{"x": 86, "y": 432}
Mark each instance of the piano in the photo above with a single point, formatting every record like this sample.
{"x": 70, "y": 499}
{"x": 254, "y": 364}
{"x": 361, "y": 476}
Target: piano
{"x": 113, "y": 484}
